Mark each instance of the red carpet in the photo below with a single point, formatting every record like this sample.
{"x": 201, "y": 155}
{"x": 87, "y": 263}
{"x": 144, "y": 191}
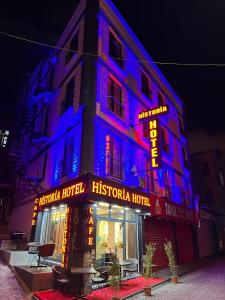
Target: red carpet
{"x": 132, "y": 286}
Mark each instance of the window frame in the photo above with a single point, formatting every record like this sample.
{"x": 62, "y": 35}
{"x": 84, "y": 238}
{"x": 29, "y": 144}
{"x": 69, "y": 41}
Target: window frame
{"x": 113, "y": 103}
{"x": 116, "y": 54}
{"x": 146, "y": 91}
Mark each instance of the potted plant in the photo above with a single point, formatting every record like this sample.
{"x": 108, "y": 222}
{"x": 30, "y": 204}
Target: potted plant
{"x": 115, "y": 277}
{"x": 172, "y": 261}
{"x": 148, "y": 258}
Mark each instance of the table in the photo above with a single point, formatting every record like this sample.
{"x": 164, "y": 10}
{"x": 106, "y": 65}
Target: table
{"x": 17, "y": 236}
{"x": 82, "y": 271}
{"x": 33, "y": 250}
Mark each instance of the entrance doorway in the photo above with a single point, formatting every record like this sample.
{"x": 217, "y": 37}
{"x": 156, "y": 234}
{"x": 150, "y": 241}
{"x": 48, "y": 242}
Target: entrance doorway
{"x": 116, "y": 232}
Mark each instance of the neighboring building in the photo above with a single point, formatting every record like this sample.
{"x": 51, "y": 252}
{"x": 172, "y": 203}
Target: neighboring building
{"x": 208, "y": 175}
{"x": 90, "y": 167}
{"x": 6, "y": 180}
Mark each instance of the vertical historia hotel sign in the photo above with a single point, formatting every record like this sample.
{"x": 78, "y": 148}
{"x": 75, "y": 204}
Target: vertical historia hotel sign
{"x": 150, "y": 116}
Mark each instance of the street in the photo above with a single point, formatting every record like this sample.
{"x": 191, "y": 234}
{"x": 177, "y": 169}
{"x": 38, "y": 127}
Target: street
{"x": 9, "y": 287}
{"x": 205, "y": 283}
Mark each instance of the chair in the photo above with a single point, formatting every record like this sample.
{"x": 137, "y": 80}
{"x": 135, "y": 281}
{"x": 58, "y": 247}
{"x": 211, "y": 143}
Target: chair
{"x": 132, "y": 267}
{"x": 100, "y": 280}
{"x": 45, "y": 251}
{"x": 61, "y": 278}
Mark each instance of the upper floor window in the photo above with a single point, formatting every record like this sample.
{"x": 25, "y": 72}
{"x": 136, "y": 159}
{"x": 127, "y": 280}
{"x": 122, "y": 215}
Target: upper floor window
{"x": 115, "y": 98}
{"x": 167, "y": 184}
{"x": 146, "y": 85}
{"x": 161, "y": 99}
{"x": 114, "y": 164}
{"x": 185, "y": 157}
{"x": 164, "y": 142}
{"x": 68, "y": 101}
{"x": 73, "y": 46}
{"x": 40, "y": 125}
{"x": 67, "y": 162}
{"x": 181, "y": 126}
{"x": 115, "y": 49}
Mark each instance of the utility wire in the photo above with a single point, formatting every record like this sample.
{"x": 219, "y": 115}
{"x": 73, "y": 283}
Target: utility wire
{"x": 122, "y": 59}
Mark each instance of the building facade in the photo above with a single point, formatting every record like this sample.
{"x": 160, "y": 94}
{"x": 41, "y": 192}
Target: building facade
{"x": 208, "y": 171}
{"x": 106, "y": 164}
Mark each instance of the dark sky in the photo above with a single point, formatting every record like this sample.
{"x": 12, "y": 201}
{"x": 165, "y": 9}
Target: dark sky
{"x": 190, "y": 31}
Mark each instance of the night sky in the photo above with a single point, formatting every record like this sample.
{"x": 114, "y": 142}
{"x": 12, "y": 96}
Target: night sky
{"x": 190, "y": 31}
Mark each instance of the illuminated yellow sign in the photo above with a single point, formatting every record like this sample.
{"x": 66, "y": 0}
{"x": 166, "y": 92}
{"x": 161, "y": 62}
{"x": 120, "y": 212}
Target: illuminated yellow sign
{"x": 153, "y": 112}
{"x": 98, "y": 187}
{"x": 154, "y": 144}
{"x": 35, "y": 212}
{"x": 62, "y": 194}
{"x": 66, "y": 238}
{"x": 90, "y": 227}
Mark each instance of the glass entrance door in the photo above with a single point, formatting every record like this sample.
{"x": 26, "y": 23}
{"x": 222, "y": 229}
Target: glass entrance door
{"x": 116, "y": 232}
{"x": 109, "y": 239}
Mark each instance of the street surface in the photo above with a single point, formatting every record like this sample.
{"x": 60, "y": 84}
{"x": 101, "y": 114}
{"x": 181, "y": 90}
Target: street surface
{"x": 9, "y": 287}
{"x": 207, "y": 283}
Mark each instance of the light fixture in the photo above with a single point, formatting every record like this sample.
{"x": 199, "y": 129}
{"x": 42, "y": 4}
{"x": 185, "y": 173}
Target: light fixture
{"x": 137, "y": 210}
{"x": 95, "y": 205}
{"x": 115, "y": 206}
{"x": 46, "y": 209}
{"x": 53, "y": 207}
{"x": 126, "y": 208}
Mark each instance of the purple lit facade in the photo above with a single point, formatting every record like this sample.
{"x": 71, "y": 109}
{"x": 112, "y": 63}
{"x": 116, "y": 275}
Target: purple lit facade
{"x": 82, "y": 118}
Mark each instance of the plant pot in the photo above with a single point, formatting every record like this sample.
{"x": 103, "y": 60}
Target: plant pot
{"x": 174, "y": 279}
{"x": 147, "y": 290}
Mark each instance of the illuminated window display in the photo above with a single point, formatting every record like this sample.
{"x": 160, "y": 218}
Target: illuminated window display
{"x": 116, "y": 231}
{"x": 50, "y": 228}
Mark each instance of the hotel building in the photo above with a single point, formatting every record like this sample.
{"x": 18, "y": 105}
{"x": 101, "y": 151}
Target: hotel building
{"x": 104, "y": 164}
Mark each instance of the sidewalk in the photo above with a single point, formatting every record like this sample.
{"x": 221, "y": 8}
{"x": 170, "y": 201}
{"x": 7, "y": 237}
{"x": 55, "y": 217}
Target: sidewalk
{"x": 206, "y": 282}
{"x": 9, "y": 287}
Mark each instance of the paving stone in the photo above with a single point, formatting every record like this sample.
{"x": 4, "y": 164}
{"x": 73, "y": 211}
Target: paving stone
{"x": 9, "y": 287}
{"x": 205, "y": 283}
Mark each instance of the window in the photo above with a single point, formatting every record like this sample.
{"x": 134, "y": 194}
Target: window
{"x": 185, "y": 158}
{"x": 167, "y": 184}
{"x": 115, "y": 49}
{"x": 150, "y": 178}
{"x": 205, "y": 169}
{"x": 115, "y": 98}
{"x": 181, "y": 126}
{"x": 164, "y": 142}
{"x": 40, "y": 125}
{"x": 114, "y": 165}
{"x": 67, "y": 162}
{"x": 73, "y": 46}
{"x": 145, "y": 85}
{"x": 68, "y": 101}
{"x": 161, "y": 99}
{"x": 50, "y": 225}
